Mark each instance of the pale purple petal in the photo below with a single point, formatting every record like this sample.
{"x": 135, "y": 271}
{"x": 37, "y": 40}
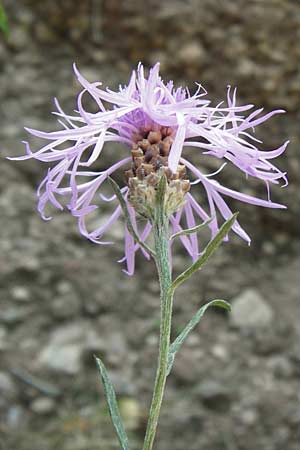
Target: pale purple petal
{"x": 176, "y": 149}
{"x": 190, "y": 219}
{"x": 224, "y": 131}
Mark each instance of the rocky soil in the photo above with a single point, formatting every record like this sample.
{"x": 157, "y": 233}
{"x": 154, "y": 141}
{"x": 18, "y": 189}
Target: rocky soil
{"x": 235, "y": 384}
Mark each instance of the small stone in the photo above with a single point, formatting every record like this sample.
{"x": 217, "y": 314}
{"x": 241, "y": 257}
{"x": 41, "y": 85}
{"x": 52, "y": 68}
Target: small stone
{"x": 130, "y": 410}
{"x": 293, "y": 415}
{"x": 15, "y": 416}
{"x": 64, "y": 287}
{"x": 66, "y": 359}
{"x": 268, "y": 341}
{"x": 281, "y": 367}
{"x": 117, "y": 348}
{"x": 214, "y": 395}
{"x": 187, "y": 365}
{"x": 13, "y": 314}
{"x": 42, "y": 405}
{"x": 7, "y": 386}
{"x": 249, "y": 309}
{"x": 67, "y": 345}
{"x": 269, "y": 248}
{"x": 192, "y": 53}
{"x": 248, "y": 417}
{"x": 98, "y": 55}
{"x": 20, "y": 293}
{"x": 246, "y": 67}
{"x": 65, "y": 306}
{"x": 44, "y": 33}
{"x": 220, "y": 352}
{"x": 18, "y": 37}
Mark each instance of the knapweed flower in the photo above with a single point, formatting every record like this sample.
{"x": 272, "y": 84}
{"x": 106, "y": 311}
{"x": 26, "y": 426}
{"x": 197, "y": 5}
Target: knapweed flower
{"x": 155, "y": 122}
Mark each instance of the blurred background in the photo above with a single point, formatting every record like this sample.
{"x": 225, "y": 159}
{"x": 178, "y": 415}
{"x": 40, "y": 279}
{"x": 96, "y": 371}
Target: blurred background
{"x": 235, "y": 384}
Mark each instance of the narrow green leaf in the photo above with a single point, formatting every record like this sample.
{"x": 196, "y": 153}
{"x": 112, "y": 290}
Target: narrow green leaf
{"x": 175, "y": 346}
{"x": 3, "y": 22}
{"x": 113, "y": 406}
{"x": 127, "y": 217}
{"x": 192, "y": 230}
{"x": 209, "y": 250}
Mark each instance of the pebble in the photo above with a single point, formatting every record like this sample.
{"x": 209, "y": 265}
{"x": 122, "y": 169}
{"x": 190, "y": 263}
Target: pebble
{"x": 7, "y": 386}
{"x": 220, "y": 352}
{"x": 70, "y": 344}
{"x": 64, "y": 348}
{"x": 65, "y": 306}
{"x": 20, "y": 293}
{"x": 213, "y": 395}
{"x": 15, "y": 416}
{"x": 248, "y": 417}
{"x": 187, "y": 364}
{"x": 116, "y": 348}
{"x": 13, "y": 314}
{"x": 65, "y": 358}
{"x": 250, "y": 310}
{"x": 192, "y": 52}
{"x": 131, "y": 411}
{"x": 42, "y": 405}
{"x": 267, "y": 341}
{"x": 281, "y": 367}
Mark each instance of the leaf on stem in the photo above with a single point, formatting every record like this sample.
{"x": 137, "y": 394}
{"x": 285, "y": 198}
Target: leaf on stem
{"x": 113, "y": 406}
{"x": 192, "y": 230}
{"x": 175, "y": 346}
{"x": 209, "y": 250}
{"x": 127, "y": 217}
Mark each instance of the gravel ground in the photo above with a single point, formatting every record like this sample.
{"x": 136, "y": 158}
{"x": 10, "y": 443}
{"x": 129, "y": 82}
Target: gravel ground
{"x": 235, "y": 384}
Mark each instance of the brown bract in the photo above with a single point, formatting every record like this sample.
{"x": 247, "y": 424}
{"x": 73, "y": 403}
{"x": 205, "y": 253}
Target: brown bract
{"x": 149, "y": 162}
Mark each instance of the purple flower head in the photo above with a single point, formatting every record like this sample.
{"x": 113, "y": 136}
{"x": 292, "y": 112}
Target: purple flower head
{"x": 129, "y": 116}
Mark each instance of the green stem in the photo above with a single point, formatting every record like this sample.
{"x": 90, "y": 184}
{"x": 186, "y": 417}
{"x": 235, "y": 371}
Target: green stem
{"x": 161, "y": 236}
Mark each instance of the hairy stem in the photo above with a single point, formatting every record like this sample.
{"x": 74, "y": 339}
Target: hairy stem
{"x": 161, "y": 235}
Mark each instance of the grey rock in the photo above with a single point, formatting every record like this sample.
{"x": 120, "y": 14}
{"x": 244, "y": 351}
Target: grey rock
{"x": 187, "y": 365}
{"x": 249, "y": 417}
{"x": 15, "y": 416}
{"x": 13, "y": 314}
{"x": 131, "y": 411}
{"x": 281, "y": 366}
{"x": 18, "y": 38}
{"x": 64, "y": 359}
{"x": 66, "y": 347}
{"x": 191, "y": 53}
{"x": 116, "y": 348}
{"x": 250, "y": 310}
{"x": 123, "y": 380}
{"x": 66, "y": 306}
{"x": 42, "y": 405}
{"x": 267, "y": 341}
{"x": 7, "y": 388}
{"x": 220, "y": 352}
{"x": 293, "y": 415}
{"x": 20, "y": 293}
{"x": 214, "y": 395}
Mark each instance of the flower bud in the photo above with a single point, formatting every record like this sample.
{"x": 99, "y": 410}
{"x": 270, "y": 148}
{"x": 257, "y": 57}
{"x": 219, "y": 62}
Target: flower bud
{"x": 149, "y": 164}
